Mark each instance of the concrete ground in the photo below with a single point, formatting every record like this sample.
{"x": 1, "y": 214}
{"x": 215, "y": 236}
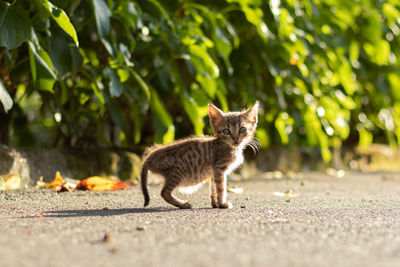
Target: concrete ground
{"x": 328, "y": 221}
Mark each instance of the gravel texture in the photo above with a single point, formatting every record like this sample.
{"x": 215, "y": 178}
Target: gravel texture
{"x": 350, "y": 221}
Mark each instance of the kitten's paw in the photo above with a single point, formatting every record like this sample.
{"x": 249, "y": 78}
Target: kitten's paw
{"x": 226, "y": 205}
{"x": 214, "y": 205}
{"x": 185, "y": 205}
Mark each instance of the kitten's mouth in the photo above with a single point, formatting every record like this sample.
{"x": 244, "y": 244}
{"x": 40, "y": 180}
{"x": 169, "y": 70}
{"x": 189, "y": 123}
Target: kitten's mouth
{"x": 235, "y": 142}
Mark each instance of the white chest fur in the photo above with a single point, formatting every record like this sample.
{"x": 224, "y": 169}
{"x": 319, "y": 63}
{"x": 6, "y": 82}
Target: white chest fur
{"x": 238, "y": 160}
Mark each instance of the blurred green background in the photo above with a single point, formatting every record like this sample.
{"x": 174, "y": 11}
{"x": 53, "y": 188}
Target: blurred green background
{"x": 127, "y": 73}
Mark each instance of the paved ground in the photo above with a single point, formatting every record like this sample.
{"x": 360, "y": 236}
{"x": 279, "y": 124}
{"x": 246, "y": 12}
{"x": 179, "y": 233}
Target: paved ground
{"x": 350, "y": 221}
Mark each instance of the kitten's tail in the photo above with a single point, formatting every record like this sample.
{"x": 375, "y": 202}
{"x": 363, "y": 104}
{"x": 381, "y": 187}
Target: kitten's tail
{"x": 143, "y": 178}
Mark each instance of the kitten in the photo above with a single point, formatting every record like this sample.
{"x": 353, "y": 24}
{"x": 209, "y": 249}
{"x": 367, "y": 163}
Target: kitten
{"x": 191, "y": 161}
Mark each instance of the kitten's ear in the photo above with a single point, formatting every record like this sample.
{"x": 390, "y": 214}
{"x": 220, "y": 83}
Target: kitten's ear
{"x": 215, "y": 114}
{"x": 252, "y": 113}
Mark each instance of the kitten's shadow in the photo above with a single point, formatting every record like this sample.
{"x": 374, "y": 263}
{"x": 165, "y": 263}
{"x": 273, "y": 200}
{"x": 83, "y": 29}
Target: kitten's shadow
{"x": 98, "y": 212}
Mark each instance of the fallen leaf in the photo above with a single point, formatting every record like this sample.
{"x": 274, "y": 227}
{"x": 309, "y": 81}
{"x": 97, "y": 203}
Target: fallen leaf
{"x": 40, "y": 183}
{"x": 10, "y": 181}
{"x": 235, "y": 189}
{"x": 288, "y": 193}
{"x": 57, "y": 181}
{"x": 66, "y": 187}
{"x": 273, "y": 175}
{"x": 279, "y": 194}
{"x": 97, "y": 183}
{"x": 336, "y": 173}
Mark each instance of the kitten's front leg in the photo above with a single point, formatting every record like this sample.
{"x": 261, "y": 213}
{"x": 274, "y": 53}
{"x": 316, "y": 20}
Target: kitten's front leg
{"x": 220, "y": 183}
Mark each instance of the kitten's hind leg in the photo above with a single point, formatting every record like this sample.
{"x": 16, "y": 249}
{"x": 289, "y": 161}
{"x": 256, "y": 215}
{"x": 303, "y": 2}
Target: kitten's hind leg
{"x": 167, "y": 194}
{"x": 214, "y": 200}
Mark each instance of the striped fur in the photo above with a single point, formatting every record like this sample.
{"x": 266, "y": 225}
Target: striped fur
{"x": 189, "y": 162}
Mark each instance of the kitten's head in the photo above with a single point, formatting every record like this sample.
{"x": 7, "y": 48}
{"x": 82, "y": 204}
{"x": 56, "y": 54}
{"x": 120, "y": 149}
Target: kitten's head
{"x": 234, "y": 128}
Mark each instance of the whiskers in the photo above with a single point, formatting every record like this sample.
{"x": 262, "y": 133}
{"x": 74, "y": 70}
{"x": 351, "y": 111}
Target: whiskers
{"x": 254, "y": 144}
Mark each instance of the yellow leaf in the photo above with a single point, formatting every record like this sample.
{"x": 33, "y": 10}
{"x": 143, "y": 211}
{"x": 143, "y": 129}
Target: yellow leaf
{"x": 97, "y": 183}
{"x": 57, "y": 182}
{"x": 12, "y": 181}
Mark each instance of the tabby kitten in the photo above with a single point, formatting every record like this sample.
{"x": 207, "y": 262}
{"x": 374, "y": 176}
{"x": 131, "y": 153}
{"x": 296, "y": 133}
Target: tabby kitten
{"x": 191, "y": 161}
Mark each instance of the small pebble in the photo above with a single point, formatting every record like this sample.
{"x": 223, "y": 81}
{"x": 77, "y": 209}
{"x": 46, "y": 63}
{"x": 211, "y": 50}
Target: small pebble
{"x": 141, "y": 228}
{"x": 108, "y": 238}
{"x": 105, "y": 208}
{"x": 287, "y": 200}
{"x": 243, "y": 207}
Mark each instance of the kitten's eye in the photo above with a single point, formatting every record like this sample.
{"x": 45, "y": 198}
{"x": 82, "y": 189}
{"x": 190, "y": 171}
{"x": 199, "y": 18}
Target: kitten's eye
{"x": 226, "y": 131}
{"x": 242, "y": 130}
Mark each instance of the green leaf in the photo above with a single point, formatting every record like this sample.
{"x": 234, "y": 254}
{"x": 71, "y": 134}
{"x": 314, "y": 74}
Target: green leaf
{"x": 209, "y": 65}
{"x": 196, "y": 108}
{"x": 5, "y": 98}
{"x": 354, "y": 51}
{"x": 346, "y": 101}
{"x": 284, "y": 125}
{"x": 326, "y": 154}
{"x": 390, "y": 11}
{"x": 207, "y": 83}
{"x": 263, "y": 137}
{"x": 366, "y": 138}
{"x": 138, "y": 121}
{"x": 346, "y": 78}
{"x": 254, "y": 15}
{"x": 61, "y": 18}
{"x": 64, "y": 57}
{"x": 102, "y": 14}
{"x": 119, "y": 117}
{"x": 41, "y": 68}
{"x": 141, "y": 83}
{"x": 15, "y": 27}
{"x": 3, "y": 11}
{"x": 165, "y": 130}
{"x": 116, "y": 87}
{"x": 156, "y": 9}
{"x": 221, "y": 95}
{"x": 382, "y": 52}
{"x": 394, "y": 81}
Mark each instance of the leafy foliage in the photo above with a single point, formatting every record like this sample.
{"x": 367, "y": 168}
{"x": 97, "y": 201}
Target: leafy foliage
{"x": 128, "y": 72}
